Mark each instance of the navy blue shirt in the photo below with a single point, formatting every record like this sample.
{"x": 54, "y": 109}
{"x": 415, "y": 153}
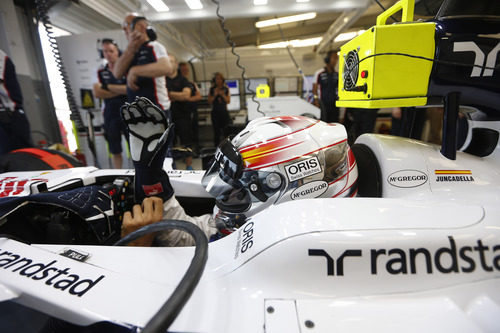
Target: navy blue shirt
{"x": 219, "y": 103}
{"x": 11, "y": 96}
{"x": 111, "y": 105}
{"x": 177, "y": 84}
{"x": 155, "y": 89}
{"x": 328, "y": 84}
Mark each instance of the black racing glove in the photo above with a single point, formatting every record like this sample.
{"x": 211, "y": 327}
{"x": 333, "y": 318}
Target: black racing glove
{"x": 149, "y": 131}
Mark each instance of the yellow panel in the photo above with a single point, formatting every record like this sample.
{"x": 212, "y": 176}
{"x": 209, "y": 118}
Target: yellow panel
{"x": 383, "y": 103}
{"x": 396, "y": 77}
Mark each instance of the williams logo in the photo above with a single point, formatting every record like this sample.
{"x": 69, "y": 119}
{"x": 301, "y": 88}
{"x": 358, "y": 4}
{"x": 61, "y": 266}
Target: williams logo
{"x": 407, "y": 178}
{"x": 303, "y": 169}
{"x": 310, "y": 190}
{"x": 453, "y": 176}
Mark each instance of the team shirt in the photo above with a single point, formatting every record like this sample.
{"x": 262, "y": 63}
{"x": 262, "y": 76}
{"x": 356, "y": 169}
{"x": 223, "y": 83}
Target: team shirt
{"x": 155, "y": 89}
{"x": 177, "y": 84}
{"x": 328, "y": 84}
{"x": 111, "y": 105}
{"x": 11, "y": 97}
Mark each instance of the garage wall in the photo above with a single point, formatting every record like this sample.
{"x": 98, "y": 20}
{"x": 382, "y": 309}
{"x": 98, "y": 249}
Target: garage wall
{"x": 18, "y": 42}
{"x": 258, "y": 63}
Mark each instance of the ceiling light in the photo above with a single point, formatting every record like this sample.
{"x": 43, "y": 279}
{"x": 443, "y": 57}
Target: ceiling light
{"x": 293, "y": 43}
{"x": 194, "y": 4}
{"x": 259, "y": 2}
{"x": 158, "y": 5}
{"x": 347, "y": 35}
{"x": 286, "y": 19}
{"x": 303, "y": 0}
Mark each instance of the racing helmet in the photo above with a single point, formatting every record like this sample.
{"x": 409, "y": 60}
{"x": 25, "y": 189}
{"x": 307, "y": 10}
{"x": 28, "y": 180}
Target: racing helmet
{"x": 279, "y": 159}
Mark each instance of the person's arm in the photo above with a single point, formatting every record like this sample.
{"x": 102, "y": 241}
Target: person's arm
{"x": 120, "y": 89}
{"x": 102, "y": 93}
{"x": 180, "y": 96}
{"x": 123, "y": 63}
{"x": 161, "y": 67}
{"x": 226, "y": 96}
{"x": 211, "y": 96}
{"x": 151, "y": 211}
{"x": 197, "y": 95}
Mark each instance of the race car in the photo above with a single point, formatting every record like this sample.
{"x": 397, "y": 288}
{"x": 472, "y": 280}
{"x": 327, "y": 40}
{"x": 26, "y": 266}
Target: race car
{"x": 418, "y": 249}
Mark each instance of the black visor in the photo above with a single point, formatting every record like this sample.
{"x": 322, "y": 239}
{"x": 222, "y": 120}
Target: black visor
{"x": 233, "y": 187}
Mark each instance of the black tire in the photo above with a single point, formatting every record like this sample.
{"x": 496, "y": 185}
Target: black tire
{"x": 369, "y": 174}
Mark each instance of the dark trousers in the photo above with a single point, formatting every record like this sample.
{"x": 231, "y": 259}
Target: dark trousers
{"x": 14, "y": 131}
{"x": 359, "y": 121}
{"x": 329, "y": 112}
{"x": 220, "y": 123}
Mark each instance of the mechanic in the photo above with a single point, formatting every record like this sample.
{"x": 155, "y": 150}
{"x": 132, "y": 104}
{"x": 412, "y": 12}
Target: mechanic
{"x": 327, "y": 80}
{"x": 179, "y": 92}
{"x": 219, "y": 98}
{"x": 114, "y": 93}
{"x": 193, "y": 106}
{"x": 14, "y": 126}
{"x": 145, "y": 63}
{"x": 249, "y": 173}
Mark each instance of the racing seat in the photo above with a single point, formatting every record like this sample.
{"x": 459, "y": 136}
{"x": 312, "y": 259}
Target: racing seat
{"x": 33, "y": 159}
{"x": 369, "y": 174}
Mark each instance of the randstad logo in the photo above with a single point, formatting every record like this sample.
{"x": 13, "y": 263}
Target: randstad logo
{"x": 62, "y": 279}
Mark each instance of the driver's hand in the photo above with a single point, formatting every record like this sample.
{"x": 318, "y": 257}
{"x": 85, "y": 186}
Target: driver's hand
{"x": 151, "y": 211}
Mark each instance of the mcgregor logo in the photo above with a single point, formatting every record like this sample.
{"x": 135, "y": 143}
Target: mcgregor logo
{"x": 309, "y": 190}
{"x": 407, "y": 178}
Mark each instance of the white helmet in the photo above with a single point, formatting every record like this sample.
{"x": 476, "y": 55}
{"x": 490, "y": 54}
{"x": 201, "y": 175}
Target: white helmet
{"x": 278, "y": 159}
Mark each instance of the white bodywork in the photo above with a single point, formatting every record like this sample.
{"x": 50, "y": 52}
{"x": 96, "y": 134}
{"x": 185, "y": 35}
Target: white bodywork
{"x": 425, "y": 257}
{"x": 280, "y": 106}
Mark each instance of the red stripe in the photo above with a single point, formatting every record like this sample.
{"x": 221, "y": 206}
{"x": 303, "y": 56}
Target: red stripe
{"x": 255, "y": 145}
{"x": 273, "y": 150}
{"x": 53, "y": 160}
{"x": 293, "y": 158}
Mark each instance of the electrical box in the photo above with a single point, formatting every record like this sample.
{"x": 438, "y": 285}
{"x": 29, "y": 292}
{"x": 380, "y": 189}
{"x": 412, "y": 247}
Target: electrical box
{"x": 388, "y": 65}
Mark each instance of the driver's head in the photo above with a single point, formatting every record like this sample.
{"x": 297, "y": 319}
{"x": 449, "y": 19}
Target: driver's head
{"x": 274, "y": 160}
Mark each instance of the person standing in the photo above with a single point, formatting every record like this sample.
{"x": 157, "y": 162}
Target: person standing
{"x": 144, "y": 62}
{"x": 14, "y": 125}
{"x": 325, "y": 88}
{"x": 179, "y": 92}
{"x": 192, "y": 105}
{"x": 114, "y": 93}
{"x": 219, "y": 98}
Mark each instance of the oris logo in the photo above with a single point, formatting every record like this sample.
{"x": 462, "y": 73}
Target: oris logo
{"x": 303, "y": 169}
{"x": 407, "y": 178}
{"x": 310, "y": 190}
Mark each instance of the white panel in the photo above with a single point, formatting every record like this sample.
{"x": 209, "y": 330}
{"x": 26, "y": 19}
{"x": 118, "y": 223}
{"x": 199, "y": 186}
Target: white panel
{"x": 384, "y": 315}
{"x": 281, "y": 316}
{"x": 485, "y": 313}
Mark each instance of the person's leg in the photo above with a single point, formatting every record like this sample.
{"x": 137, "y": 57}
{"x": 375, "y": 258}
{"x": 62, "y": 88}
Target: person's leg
{"x": 117, "y": 161}
{"x": 216, "y": 129}
{"x": 20, "y": 132}
{"x": 113, "y": 134}
{"x": 195, "y": 129}
{"x": 185, "y": 135}
{"x": 4, "y": 136}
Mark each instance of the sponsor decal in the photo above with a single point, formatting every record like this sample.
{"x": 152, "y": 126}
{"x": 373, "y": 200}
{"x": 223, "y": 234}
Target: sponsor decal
{"x": 453, "y": 176}
{"x": 48, "y": 273}
{"x": 396, "y": 261}
{"x": 303, "y": 169}
{"x": 245, "y": 239}
{"x": 11, "y": 186}
{"x": 407, "y": 178}
{"x": 310, "y": 190}
{"x": 152, "y": 189}
{"x": 75, "y": 255}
